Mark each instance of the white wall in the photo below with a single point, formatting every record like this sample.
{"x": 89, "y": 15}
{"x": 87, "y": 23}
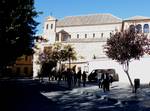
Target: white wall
{"x": 137, "y": 69}
{"x": 89, "y": 30}
{"x": 88, "y": 50}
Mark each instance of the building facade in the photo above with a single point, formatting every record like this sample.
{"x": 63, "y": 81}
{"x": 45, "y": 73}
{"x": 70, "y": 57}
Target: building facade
{"x": 88, "y": 34}
{"x": 23, "y": 66}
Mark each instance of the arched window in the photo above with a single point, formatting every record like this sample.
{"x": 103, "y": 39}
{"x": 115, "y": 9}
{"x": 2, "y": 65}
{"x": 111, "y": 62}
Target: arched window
{"x": 93, "y": 35}
{"x": 64, "y": 37}
{"x": 139, "y": 28}
{"x": 46, "y": 26}
{"x": 102, "y": 34}
{"x": 77, "y": 35}
{"x": 51, "y": 26}
{"x": 132, "y": 28}
{"x": 85, "y": 35}
{"x": 146, "y": 28}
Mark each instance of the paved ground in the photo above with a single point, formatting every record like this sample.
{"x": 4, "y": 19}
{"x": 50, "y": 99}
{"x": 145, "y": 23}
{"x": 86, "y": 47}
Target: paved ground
{"x": 29, "y": 95}
{"x": 24, "y": 95}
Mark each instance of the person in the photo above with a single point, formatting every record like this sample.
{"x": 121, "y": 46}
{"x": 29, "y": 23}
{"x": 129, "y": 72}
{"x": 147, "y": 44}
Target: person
{"x": 106, "y": 83}
{"x": 100, "y": 83}
{"x": 69, "y": 78}
{"x": 74, "y": 78}
{"x": 79, "y": 77}
{"x": 110, "y": 78}
{"x": 100, "y": 80}
{"x": 84, "y": 78}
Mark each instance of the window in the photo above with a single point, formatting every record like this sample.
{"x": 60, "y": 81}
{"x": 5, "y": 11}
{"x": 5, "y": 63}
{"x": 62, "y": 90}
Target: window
{"x": 110, "y": 34}
{"x": 132, "y": 28}
{"x": 93, "y": 35}
{"x": 57, "y": 37}
{"x": 102, "y": 34}
{"x": 77, "y": 35}
{"x": 18, "y": 70}
{"x": 139, "y": 28}
{"x": 47, "y": 26}
{"x": 85, "y": 35}
{"x": 64, "y": 37}
{"x": 25, "y": 70}
{"x": 51, "y": 26}
{"x": 26, "y": 58}
{"x": 146, "y": 28}
{"x": 69, "y": 36}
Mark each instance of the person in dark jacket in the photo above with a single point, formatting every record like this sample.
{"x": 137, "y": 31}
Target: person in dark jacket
{"x": 79, "y": 77}
{"x": 84, "y": 76}
{"x": 106, "y": 82}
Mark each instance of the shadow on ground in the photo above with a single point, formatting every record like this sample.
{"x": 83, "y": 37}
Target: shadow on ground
{"x": 24, "y": 95}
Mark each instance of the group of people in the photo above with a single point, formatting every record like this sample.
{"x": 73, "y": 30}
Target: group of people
{"x": 104, "y": 81}
{"x": 73, "y": 78}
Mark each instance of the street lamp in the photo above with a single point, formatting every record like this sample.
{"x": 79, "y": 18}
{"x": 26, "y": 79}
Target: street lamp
{"x": 70, "y": 50}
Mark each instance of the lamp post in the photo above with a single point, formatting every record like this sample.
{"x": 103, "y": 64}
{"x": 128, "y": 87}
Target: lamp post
{"x": 61, "y": 58}
{"x": 70, "y": 50}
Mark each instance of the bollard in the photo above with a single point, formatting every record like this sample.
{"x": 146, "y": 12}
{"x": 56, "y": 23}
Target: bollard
{"x": 136, "y": 84}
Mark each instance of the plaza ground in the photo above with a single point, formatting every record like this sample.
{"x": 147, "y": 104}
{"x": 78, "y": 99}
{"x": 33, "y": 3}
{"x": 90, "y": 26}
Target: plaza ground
{"x": 31, "y": 95}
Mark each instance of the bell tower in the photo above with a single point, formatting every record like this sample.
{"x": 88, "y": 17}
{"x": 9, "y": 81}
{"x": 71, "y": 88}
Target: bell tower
{"x": 50, "y": 29}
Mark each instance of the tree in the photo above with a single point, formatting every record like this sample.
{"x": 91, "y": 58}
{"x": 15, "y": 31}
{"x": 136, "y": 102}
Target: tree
{"x": 63, "y": 53}
{"x": 17, "y": 29}
{"x": 56, "y": 54}
{"x": 125, "y": 46}
{"x": 70, "y": 52}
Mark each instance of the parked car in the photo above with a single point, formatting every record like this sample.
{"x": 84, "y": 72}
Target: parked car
{"x": 96, "y": 74}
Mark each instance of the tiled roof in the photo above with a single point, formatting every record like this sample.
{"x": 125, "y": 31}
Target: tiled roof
{"x": 92, "y": 19}
{"x": 137, "y": 18}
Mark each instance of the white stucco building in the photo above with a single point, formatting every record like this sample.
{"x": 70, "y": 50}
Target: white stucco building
{"x": 88, "y": 33}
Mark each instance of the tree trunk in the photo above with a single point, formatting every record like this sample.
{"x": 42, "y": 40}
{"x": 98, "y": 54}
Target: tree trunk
{"x": 129, "y": 79}
{"x": 126, "y": 70}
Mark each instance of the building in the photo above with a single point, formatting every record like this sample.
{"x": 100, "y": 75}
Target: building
{"x": 23, "y": 66}
{"x": 88, "y": 34}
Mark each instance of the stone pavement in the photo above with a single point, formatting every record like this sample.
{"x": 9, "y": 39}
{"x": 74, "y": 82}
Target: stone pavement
{"x": 31, "y": 95}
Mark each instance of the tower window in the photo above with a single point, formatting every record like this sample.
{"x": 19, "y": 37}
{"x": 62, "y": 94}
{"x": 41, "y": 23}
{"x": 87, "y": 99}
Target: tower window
{"x": 47, "y": 26}
{"x": 51, "y": 26}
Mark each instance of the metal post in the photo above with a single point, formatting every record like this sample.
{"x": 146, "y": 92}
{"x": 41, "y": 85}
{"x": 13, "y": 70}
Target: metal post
{"x": 70, "y": 50}
{"x": 69, "y": 62}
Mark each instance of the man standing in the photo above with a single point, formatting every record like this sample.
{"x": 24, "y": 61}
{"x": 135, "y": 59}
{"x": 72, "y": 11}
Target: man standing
{"x": 79, "y": 77}
{"x": 84, "y": 78}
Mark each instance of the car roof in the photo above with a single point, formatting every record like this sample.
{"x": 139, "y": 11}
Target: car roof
{"x": 109, "y": 70}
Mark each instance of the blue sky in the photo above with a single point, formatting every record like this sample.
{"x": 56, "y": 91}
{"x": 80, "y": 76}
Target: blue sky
{"x": 62, "y": 8}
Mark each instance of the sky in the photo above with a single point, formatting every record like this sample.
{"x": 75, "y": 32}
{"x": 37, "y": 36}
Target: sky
{"x": 61, "y": 8}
